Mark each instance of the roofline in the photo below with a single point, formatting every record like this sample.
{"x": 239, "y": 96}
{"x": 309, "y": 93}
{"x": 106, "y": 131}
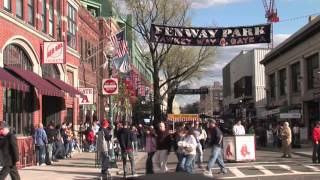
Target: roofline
{"x": 301, "y": 35}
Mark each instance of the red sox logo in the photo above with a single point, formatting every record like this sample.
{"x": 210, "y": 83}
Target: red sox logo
{"x": 228, "y": 151}
{"x": 244, "y": 150}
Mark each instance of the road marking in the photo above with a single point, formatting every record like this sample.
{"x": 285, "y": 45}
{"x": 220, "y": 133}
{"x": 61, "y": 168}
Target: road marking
{"x": 274, "y": 175}
{"x": 236, "y": 172}
{"x": 312, "y": 167}
{"x": 289, "y": 168}
{"x": 264, "y": 170}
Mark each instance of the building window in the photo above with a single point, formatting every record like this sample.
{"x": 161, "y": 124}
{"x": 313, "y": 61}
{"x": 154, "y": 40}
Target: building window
{"x": 70, "y": 78}
{"x": 272, "y": 81}
{"x": 312, "y": 70}
{"x": 31, "y": 12}
{"x": 18, "y": 106}
{"x": 7, "y": 5}
{"x": 19, "y": 9}
{"x": 51, "y": 18}
{"x": 44, "y": 16}
{"x": 50, "y": 70}
{"x": 295, "y": 76}
{"x": 59, "y": 30}
{"x": 283, "y": 81}
{"x": 71, "y": 37}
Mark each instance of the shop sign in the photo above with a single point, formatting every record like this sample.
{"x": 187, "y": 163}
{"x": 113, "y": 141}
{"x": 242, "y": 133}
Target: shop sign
{"x": 110, "y": 86}
{"x": 290, "y": 116}
{"x": 53, "y": 52}
{"x": 88, "y": 96}
{"x": 245, "y": 147}
{"x": 203, "y": 36}
{"x": 229, "y": 149}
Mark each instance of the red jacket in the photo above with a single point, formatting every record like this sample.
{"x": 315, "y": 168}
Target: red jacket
{"x": 316, "y": 135}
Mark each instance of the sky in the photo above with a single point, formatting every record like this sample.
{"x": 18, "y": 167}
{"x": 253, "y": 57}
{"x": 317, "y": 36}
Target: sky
{"x": 293, "y": 15}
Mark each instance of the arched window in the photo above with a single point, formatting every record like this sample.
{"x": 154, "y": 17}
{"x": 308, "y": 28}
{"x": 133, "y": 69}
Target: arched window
{"x": 50, "y": 70}
{"x": 15, "y": 55}
{"x": 18, "y": 106}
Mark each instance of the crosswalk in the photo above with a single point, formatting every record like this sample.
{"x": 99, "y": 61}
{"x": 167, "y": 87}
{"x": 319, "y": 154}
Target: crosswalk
{"x": 242, "y": 171}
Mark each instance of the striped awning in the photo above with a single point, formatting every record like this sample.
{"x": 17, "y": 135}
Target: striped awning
{"x": 9, "y": 81}
{"x": 183, "y": 117}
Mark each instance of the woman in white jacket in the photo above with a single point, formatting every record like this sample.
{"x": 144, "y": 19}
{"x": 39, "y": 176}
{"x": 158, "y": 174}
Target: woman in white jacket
{"x": 189, "y": 145}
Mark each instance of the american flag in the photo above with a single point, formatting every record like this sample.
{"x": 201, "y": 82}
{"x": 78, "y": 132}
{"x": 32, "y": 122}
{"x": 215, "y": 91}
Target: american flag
{"x": 120, "y": 44}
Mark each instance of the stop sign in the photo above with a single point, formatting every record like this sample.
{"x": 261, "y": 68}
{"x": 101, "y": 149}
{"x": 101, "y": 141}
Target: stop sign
{"x": 110, "y": 86}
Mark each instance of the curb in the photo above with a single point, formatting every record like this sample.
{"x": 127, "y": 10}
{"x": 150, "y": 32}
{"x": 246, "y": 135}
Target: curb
{"x": 278, "y": 150}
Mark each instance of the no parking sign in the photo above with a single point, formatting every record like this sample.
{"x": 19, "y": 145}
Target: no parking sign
{"x": 110, "y": 86}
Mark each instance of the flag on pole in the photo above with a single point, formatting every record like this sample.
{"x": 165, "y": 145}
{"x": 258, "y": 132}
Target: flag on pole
{"x": 120, "y": 44}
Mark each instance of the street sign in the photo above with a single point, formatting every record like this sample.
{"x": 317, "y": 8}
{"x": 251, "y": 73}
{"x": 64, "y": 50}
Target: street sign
{"x": 110, "y": 86}
{"x": 193, "y": 91}
{"x": 88, "y": 96}
{"x": 290, "y": 115}
{"x": 53, "y": 52}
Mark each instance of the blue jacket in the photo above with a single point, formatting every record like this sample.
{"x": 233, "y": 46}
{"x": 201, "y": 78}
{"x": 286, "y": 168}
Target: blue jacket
{"x": 40, "y": 137}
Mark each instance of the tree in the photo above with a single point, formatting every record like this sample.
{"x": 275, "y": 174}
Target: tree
{"x": 191, "y": 108}
{"x": 184, "y": 64}
{"x": 145, "y": 13}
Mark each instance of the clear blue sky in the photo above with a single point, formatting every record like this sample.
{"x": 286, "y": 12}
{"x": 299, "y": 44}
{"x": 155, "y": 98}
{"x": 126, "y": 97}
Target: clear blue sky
{"x": 248, "y": 12}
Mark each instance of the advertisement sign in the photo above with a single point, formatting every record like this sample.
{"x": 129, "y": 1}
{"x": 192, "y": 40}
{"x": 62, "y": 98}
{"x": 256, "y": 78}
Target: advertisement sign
{"x": 183, "y": 117}
{"x": 193, "y": 91}
{"x": 290, "y": 116}
{"x": 229, "y": 149}
{"x": 88, "y": 98}
{"x": 110, "y": 86}
{"x": 245, "y": 148}
{"x": 53, "y": 52}
{"x": 220, "y": 36}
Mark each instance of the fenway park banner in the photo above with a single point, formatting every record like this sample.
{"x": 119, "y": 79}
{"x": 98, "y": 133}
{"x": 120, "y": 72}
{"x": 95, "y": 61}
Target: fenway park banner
{"x": 226, "y": 36}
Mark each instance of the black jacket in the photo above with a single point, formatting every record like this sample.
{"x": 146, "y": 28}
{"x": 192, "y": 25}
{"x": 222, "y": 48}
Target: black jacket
{"x": 163, "y": 140}
{"x": 51, "y": 135}
{"x": 9, "y": 150}
{"x": 125, "y": 138}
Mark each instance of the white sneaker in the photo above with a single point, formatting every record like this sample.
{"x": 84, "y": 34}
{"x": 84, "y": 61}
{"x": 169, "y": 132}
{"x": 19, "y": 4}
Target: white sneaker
{"x": 43, "y": 164}
{"x": 135, "y": 175}
{"x": 208, "y": 174}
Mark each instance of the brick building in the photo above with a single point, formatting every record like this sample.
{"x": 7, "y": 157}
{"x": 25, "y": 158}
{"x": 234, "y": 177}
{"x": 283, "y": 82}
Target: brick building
{"x": 32, "y": 92}
{"x": 211, "y": 103}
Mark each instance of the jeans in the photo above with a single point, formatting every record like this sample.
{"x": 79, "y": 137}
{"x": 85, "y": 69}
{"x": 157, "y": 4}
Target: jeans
{"x": 216, "y": 156}
{"x": 316, "y": 153}
{"x": 40, "y": 154}
{"x": 160, "y": 159}
{"x": 181, "y": 162}
{"x": 149, "y": 165}
{"x": 105, "y": 161}
{"x": 50, "y": 150}
{"x": 189, "y": 163}
{"x": 135, "y": 146}
{"x": 199, "y": 156}
{"x": 13, "y": 171}
{"x": 124, "y": 160}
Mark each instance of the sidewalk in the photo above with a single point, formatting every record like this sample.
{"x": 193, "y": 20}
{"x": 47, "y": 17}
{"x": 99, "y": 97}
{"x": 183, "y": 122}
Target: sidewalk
{"x": 80, "y": 167}
{"x": 305, "y": 150}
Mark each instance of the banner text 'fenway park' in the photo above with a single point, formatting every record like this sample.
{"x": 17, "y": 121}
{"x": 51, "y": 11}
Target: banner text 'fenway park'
{"x": 228, "y": 36}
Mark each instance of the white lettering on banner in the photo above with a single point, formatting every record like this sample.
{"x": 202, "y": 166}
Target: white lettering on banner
{"x": 53, "y": 52}
{"x": 290, "y": 116}
{"x": 88, "y": 98}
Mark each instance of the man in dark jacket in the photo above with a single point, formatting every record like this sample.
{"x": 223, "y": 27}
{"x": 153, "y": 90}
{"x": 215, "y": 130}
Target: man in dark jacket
{"x": 51, "y": 135}
{"x": 10, "y": 153}
{"x": 125, "y": 138}
{"x": 163, "y": 148}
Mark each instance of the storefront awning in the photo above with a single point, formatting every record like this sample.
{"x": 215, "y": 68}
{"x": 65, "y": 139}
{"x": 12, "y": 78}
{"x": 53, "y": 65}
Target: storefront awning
{"x": 43, "y": 86}
{"x": 65, "y": 87}
{"x": 183, "y": 117}
{"x": 11, "y": 82}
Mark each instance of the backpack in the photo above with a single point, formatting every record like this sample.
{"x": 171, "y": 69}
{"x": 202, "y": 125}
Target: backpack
{"x": 102, "y": 144}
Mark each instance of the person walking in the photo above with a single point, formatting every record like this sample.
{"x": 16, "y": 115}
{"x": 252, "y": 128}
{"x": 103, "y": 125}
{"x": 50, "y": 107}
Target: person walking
{"x": 199, "y": 156}
{"x": 216, "y": 143}
{"x": 203, "y": 138}
{"x": 41, "y": 141}
{"x": 151, "y": 147}
{"x": 125, "y": 138}
{"x": 104, "y": 137}
{"x": 286, "y": 137}
{"x": 160, "y": 158}
{"x": 51, "y": 135}
{"x": 316, "y": 143}
{"x": 179, "y": 150}
{"x": 189, "y": 145}
{"x": 10, "y": 153}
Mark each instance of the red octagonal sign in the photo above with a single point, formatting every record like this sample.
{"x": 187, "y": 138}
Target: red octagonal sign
{"x": 110, "y": 86}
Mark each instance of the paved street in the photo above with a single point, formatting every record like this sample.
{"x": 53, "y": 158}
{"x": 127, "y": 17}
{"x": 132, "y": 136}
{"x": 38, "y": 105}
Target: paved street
{"x": 268, "y": 165}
